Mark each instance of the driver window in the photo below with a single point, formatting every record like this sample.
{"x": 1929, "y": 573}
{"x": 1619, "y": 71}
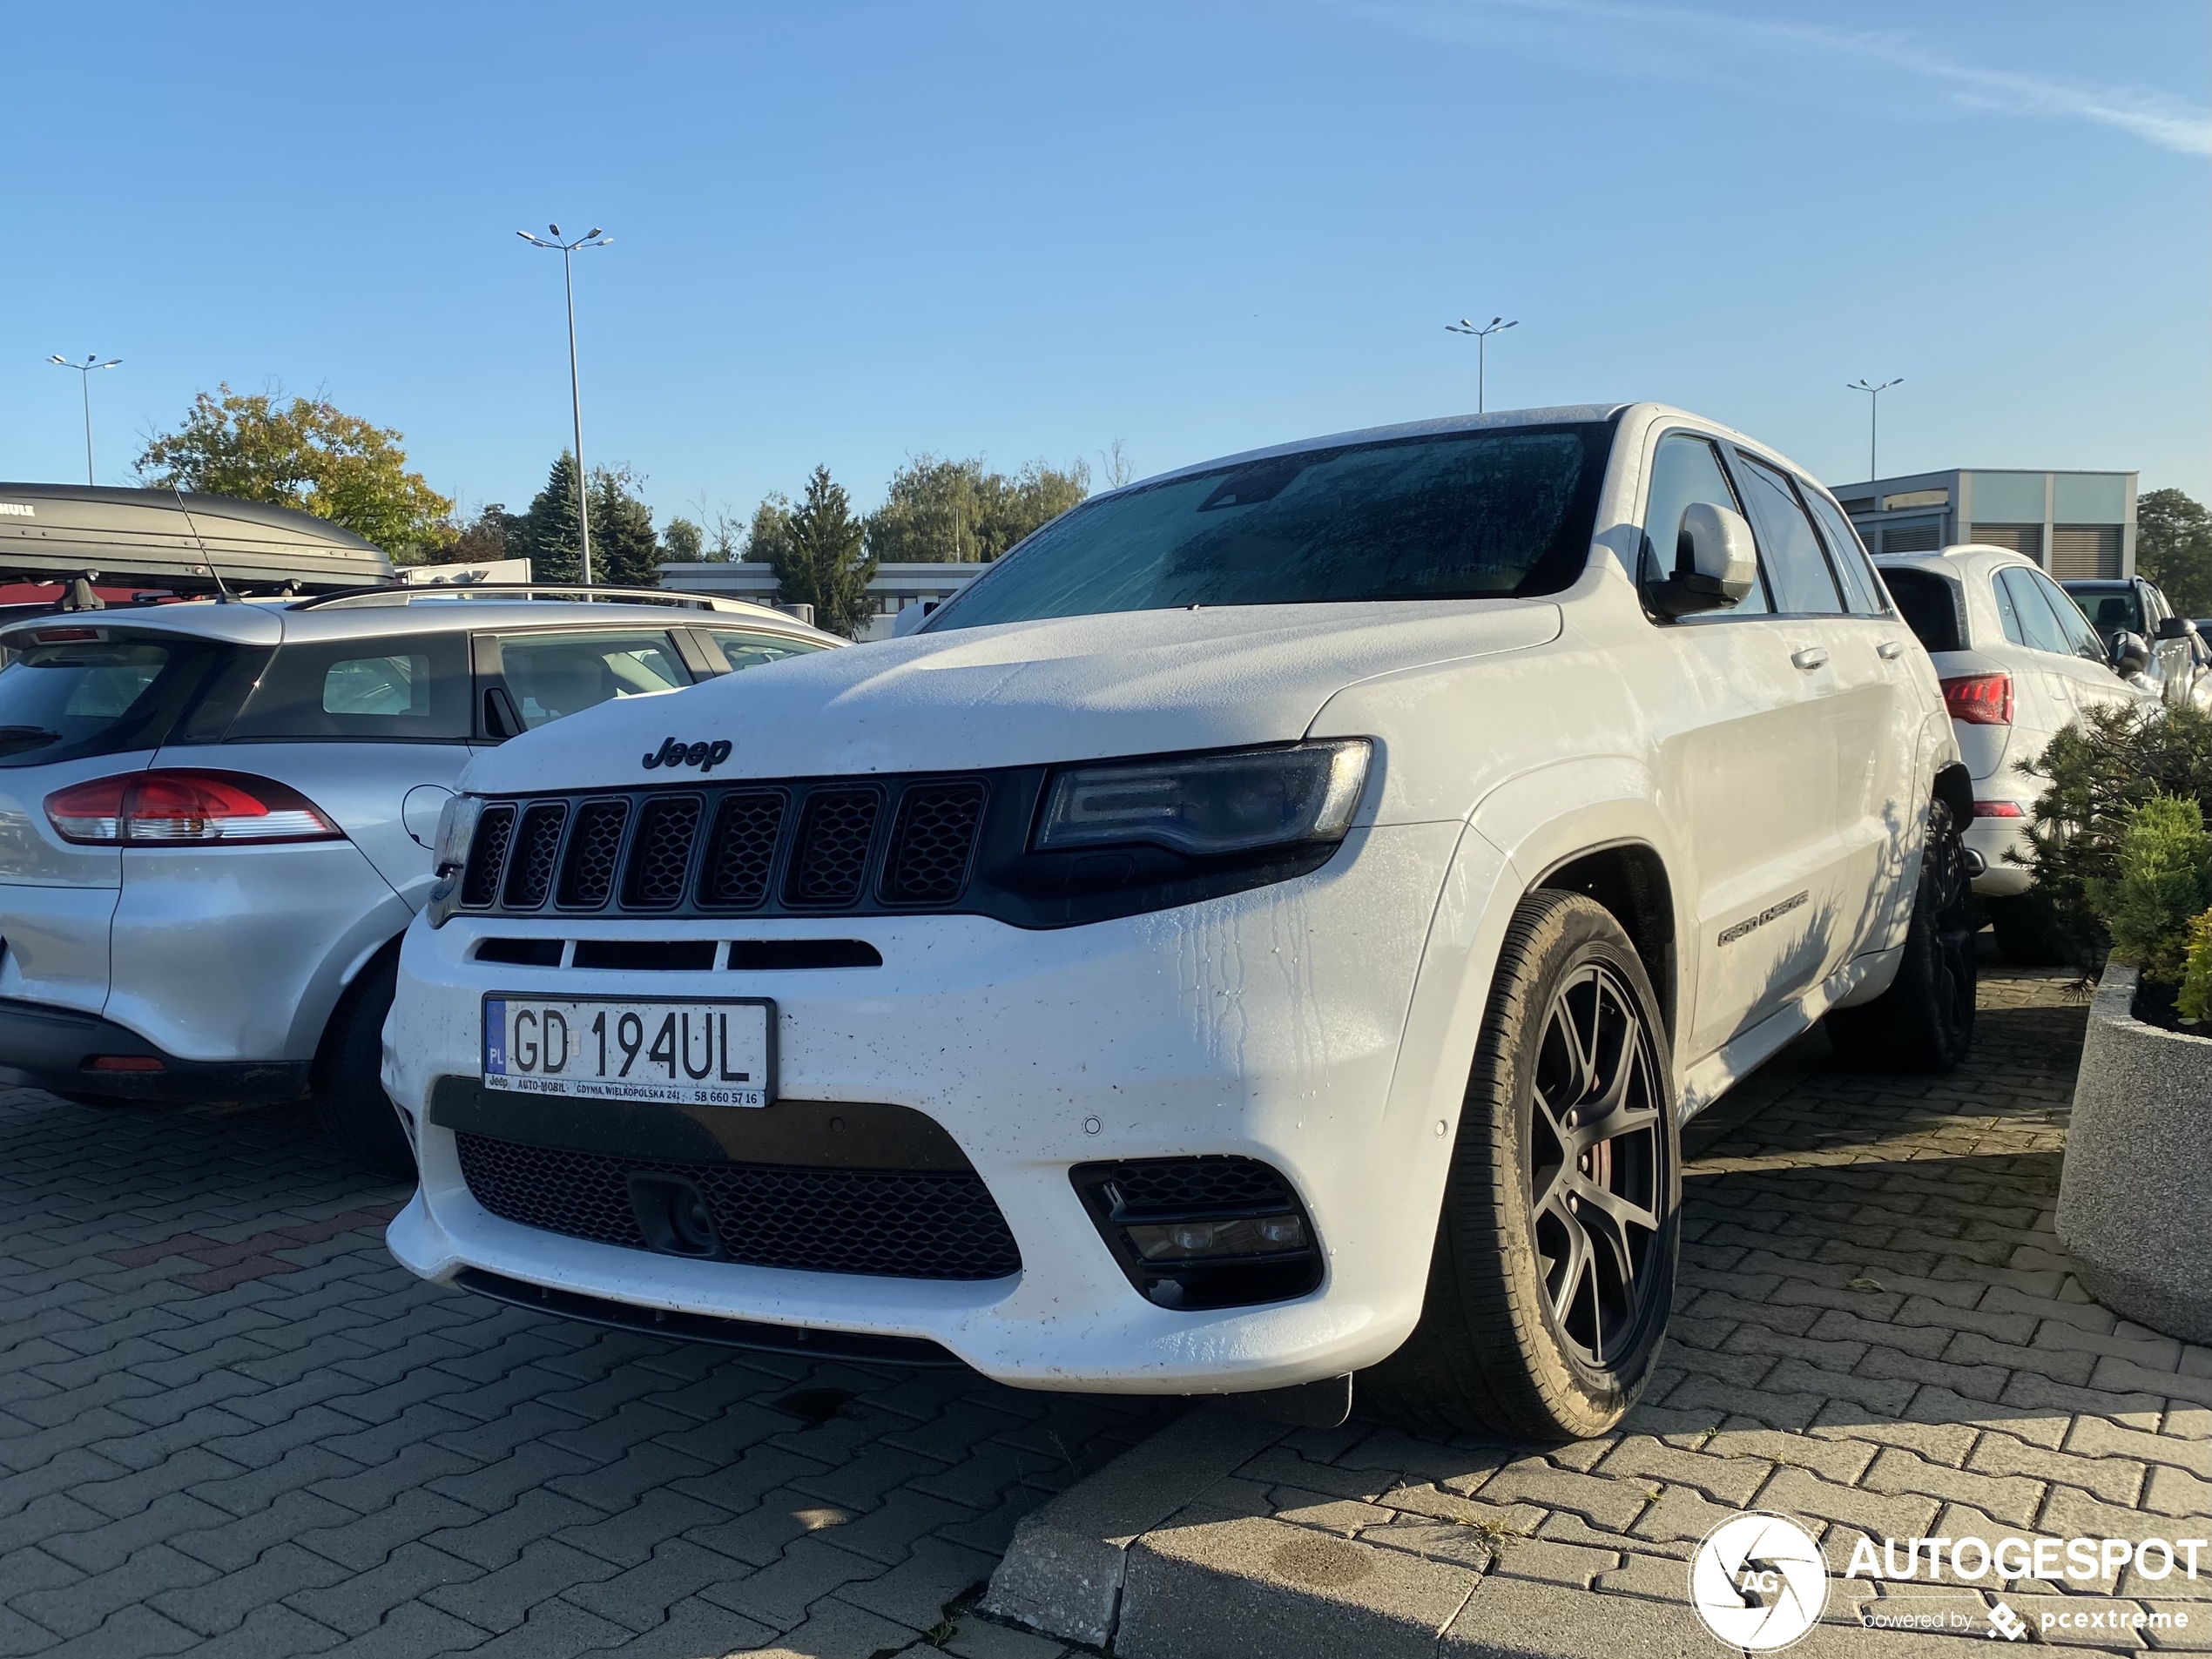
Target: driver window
{"x": 1686, "y": 469}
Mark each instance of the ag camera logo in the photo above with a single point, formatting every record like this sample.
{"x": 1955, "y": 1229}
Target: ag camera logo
{"x": 1758, "y": 1581}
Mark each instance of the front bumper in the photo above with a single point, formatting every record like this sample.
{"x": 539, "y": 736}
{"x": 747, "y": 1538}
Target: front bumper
{"x": 58, "y": 1049}
{"x": 1267, "y": 1025}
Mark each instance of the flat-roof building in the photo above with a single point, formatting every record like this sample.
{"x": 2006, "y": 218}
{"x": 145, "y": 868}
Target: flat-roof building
{"x": 2072, "y": 523}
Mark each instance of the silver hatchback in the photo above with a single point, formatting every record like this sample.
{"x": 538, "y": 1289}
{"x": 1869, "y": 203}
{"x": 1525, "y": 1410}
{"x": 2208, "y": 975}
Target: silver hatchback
{"x": 216, "y": 820}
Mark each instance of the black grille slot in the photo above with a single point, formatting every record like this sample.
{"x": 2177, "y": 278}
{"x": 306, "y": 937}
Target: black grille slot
{"x": 893, "y": 1223}
{"x": 480, "y": 881}
{"x": 660, "y": 854}
{"x": 523, "y": 952}
{"x": 646, "y": 955}
{"x": 931, "y": 843}
{"x": 743, "y": 850}
{"x": 834, "y": 837}
{"x": 588, "y": 873}
{"x": 529, "y": 872}
{"x": 1211, "y": 1184}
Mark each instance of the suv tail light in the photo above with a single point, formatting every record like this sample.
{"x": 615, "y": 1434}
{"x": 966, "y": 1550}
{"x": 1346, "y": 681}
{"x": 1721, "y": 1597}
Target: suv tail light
{"x": 178, "y": 808}
{"x": 1980, "y": 699}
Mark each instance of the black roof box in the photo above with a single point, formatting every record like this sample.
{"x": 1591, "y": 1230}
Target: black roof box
{"x": 52, "y": 532}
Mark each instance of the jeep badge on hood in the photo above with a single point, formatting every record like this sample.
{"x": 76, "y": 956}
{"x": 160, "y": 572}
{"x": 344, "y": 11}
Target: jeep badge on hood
{"x": 675, "y": 753}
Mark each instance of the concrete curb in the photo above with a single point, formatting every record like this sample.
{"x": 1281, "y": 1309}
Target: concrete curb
{"x": 1065, "y": 1570}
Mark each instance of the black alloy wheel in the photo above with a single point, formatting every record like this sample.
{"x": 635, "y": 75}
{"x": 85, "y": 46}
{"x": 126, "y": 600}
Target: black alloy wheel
{"x": 1600, "y": 1190}
{"x": 1552, "y": 1272}
{"x": 1924, "y": 1021}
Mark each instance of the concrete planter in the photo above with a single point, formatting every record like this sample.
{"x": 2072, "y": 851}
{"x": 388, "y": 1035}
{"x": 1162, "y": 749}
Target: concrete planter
{"x": 2136, "y": 1195}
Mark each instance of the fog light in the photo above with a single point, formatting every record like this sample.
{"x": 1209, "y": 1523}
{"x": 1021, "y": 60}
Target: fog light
{"x": 1192, "y": 1240}
{"x": 1209, "y": 1231}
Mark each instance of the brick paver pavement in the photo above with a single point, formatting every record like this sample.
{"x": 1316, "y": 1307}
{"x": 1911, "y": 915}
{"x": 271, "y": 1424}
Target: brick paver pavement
{"x": 230, "y": 1424}
{"x": 1876, "y": 1331}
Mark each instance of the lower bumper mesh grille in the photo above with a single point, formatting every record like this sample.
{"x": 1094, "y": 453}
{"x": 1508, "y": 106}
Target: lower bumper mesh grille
{"x": 893, "y": 1223}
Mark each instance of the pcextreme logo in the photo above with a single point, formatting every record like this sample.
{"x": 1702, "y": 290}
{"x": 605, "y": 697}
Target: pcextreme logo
{"x": 1758, "y": 1581}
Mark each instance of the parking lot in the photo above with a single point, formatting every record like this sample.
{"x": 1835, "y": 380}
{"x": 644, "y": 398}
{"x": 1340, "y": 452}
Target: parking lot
{"x": 228, "y": 1423}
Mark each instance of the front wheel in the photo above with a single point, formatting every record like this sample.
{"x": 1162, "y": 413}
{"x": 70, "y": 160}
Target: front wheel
{"x": 1924, "y": 1021}
{"x": 350, "y": 1101}
{"x": 1555, "y": 1260}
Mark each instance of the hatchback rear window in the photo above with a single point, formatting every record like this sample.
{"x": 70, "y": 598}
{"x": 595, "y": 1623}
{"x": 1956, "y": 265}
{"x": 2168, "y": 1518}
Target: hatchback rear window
{"x": 104, "y": 695}
{"x": 1929, "y": 605}
{"x": 1479, "y": 515}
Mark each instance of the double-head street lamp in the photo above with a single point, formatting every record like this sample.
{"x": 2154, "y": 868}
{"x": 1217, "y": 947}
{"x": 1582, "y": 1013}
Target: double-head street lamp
{"x": 1495, "y": 325}
{"x": 1873, "y": 416}
{"x": 84, "y": 379}
{"x": 566, "y": 251}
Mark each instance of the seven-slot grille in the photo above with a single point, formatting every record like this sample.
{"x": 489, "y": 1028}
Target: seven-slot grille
{"x": 789, "y": 846}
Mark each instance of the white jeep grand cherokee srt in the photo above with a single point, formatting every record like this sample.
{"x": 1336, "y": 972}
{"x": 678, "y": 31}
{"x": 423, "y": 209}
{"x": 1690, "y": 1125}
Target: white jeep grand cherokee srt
{"x": 1272, "y": 926}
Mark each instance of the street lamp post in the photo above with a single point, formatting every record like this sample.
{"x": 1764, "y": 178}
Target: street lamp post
{"x": 84, "y": 380}
{"x": 566, "y": 251}
{"x": 1874, "y": 417}
{"x": 1495, "y": 325}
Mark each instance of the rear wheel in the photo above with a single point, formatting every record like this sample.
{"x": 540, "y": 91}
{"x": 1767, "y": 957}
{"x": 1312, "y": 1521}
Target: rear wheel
{"x": 350, "y": 1101}
{"x": 2024, "y": 932}
{"x": 1556, "y": 1252}
{"x": 1924, "y": 1021}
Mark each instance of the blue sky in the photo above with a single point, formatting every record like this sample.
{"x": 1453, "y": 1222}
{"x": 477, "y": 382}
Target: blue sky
{"x": 849, "y": 232}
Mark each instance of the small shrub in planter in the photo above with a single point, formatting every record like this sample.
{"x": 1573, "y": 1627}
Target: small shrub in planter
{"x": 2111, "y": 761}
{"x": 2162, "y": 884}
{"x": 2194, "y": 1001}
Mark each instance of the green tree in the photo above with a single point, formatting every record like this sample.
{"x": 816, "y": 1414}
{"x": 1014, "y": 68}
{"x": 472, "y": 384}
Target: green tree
{"x": 2173, "y": 548}
{"x": 820, "y": 554}
{"x": 938, "y": 510}
{"x": 625, "y": 551}
{"x": 548, "y": 536}
{"x": 682, "y": 540}
{"x": 307, "y": 454}
{"x": 495, "y": 533}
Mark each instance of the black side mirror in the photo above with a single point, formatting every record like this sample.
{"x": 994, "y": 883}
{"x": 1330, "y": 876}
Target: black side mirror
{"x": 2130, "y": 654}
{"x": 2172, "y": 628}
{"x": 502, "y": 719}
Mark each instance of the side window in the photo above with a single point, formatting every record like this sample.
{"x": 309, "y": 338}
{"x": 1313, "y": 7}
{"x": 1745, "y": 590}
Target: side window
{"x": 750, "y": 651}
{"x": 2039, "y": 626}
{"x": 2080, "y": 638}
{"x": 1796, "y": 568}
{"x": 1862, "y": 591}
{"x": 1686, "y": 469}
{"x": 552, "y": 674}
{"x": 411, "y": 690}
{"x": 2008, "y": 612}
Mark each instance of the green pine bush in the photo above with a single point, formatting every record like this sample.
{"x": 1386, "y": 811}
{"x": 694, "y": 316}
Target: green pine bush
{"x": 2194, "y": 1002}
{"x": 2163, "y": 882}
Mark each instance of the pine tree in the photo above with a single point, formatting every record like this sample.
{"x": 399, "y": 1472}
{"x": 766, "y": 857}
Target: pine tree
{"x": 626, "y": 553}
{"x": 548, "y": 536}
{"x": 821, "y": 559}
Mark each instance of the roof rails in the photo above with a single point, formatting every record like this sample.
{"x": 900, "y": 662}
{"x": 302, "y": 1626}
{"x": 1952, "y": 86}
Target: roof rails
{"x": 571, "y": 591}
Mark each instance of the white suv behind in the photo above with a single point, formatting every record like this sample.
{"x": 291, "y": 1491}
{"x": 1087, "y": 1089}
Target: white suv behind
{"x": 1270, "y": 927}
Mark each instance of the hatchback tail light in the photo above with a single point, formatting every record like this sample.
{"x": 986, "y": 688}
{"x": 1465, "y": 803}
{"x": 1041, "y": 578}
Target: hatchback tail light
{"x": 178, "y": 808}
{"x": 1980, "y": 699}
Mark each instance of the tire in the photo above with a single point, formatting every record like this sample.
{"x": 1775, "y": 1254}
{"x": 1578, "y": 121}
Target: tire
{"x": 1924, "y": 1021}
{"x": 350, "y": 1101}
{"x": 1537, "y": 1323}
{"x": 2024, "y": 932}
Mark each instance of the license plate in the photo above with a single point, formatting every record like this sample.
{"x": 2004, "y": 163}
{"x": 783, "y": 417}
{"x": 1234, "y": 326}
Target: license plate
{"x": 703, "y": 1052}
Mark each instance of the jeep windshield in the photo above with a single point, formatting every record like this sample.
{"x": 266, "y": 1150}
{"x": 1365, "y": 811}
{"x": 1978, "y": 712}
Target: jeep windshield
{"x": 1502, "y": 513}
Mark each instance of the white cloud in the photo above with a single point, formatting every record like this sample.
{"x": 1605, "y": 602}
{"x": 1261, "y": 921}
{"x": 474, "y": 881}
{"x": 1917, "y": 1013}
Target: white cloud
{"x": 1650, "y": 41}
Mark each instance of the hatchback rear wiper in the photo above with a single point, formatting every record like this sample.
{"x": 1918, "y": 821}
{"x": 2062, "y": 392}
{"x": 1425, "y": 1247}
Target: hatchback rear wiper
{"x": 13, "y": 737}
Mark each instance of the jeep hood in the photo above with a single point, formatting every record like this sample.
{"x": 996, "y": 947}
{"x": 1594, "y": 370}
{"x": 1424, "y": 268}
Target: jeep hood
{"x": 1075, "y": 688}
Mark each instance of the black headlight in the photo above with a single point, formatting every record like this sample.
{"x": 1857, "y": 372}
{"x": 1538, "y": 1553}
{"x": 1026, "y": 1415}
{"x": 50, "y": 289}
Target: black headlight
{"x": 1209, "y": 805}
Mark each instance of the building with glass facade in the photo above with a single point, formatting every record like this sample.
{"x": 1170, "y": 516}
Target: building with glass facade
{"x": 2072, "y": 523}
